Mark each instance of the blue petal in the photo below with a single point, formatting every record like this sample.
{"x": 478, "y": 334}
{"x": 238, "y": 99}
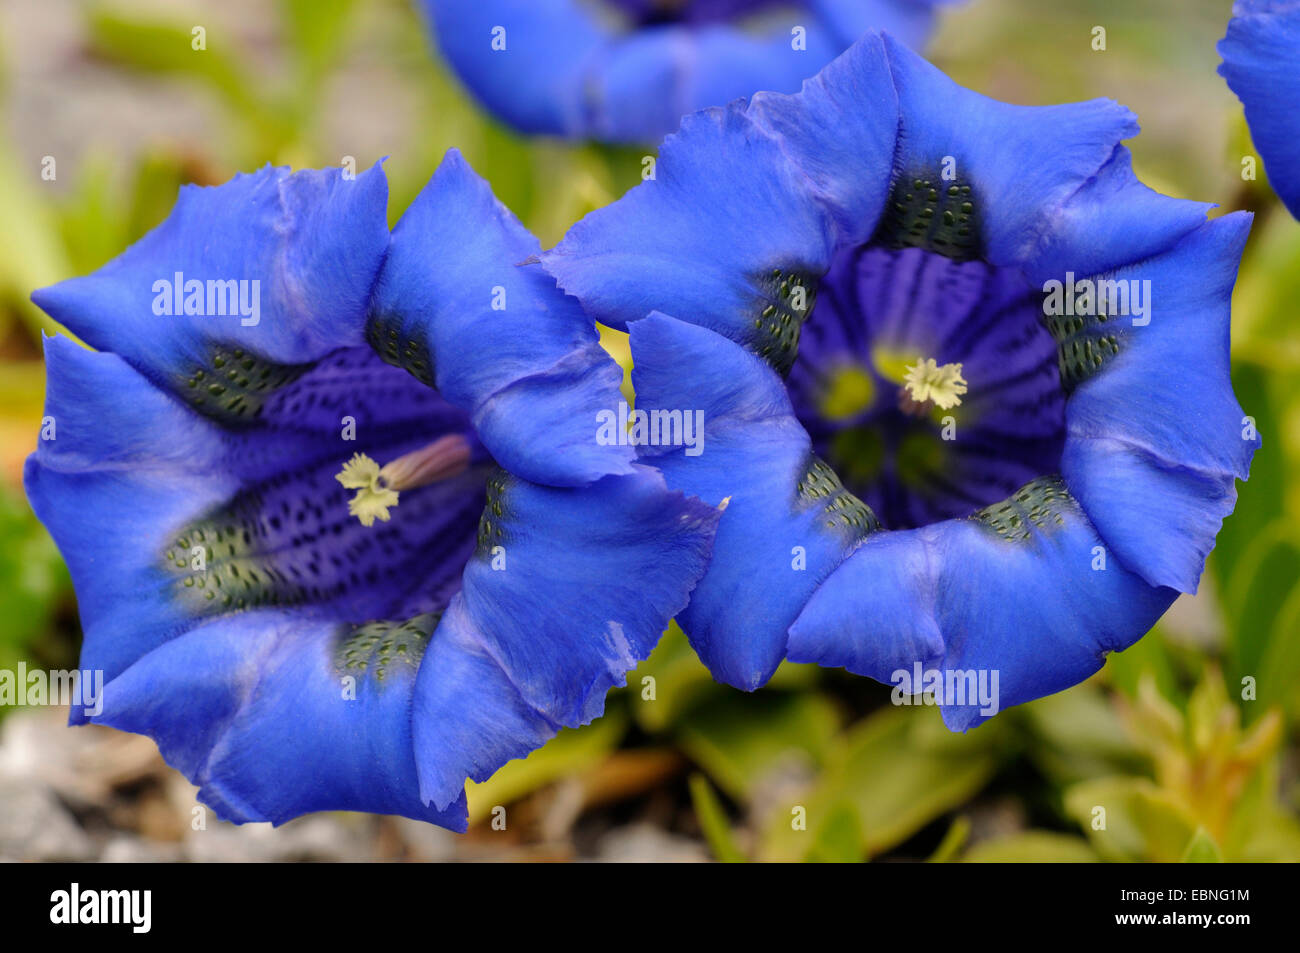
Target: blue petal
{"x": 1161, "y": 519}
{"x": 958, "y": 597}
{"x": 645, "y": 545}
{"x": 569, "y": 70}
{"x": 126, "y": 465}
{"x": 1111, "y": 221}
{"x": 778, "y": 537}
{"x": 635, "y": 90}
{"x": 570, "y": 589}
{"x": 503, "y": 342}
{"x": 271, "y": 729}
{"x": 536, "y": 83}
{"x": 907, "y": 20}
{"x": 866, "y": 616}
{"x": 1037, "y": 174}
{"x": 726, "y": 208}
{"x": 1261, "y": 63}
{"x": 312, "y": 240}
{"x": 1022, "y": 162}
{"x": 641, "y": 85}
{"x": 469, "y": 718}
{"x": 1156, "y": 436}
{"x": 841, "y": 131}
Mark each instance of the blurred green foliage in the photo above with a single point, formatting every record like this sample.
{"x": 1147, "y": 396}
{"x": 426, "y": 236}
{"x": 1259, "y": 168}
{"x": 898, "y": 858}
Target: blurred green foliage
{"x": 1183, "y": 748}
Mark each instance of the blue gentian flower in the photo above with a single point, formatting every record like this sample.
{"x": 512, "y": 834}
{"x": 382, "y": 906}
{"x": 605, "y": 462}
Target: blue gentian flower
{"x": 628, "y": 70}
{"x": 1261, "y": 62}
{"x": 259, "y": 356}
{"x": 1004, "y": 439}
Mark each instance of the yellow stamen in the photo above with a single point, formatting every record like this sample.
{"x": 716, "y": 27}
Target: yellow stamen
{"x": 374, "y": 497}
{"x": 939, "y": 384}
{"x": 378, "y": 488}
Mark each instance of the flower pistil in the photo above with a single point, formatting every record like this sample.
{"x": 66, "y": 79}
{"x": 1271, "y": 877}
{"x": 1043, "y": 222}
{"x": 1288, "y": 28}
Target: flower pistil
{"x": 378, "y": 488}
{"x": 929, "y": 382}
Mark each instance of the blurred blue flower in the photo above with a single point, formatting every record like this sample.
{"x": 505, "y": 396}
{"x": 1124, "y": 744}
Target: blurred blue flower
{"x": 1005, "y": 439}
{"x": 1261, "y": 62}
{"x": 260, "y": 354}
{"x": 628, "y": 70}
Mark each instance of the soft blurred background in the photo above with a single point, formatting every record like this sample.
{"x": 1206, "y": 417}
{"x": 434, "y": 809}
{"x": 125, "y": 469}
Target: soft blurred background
{"x": 1186, "y": 768}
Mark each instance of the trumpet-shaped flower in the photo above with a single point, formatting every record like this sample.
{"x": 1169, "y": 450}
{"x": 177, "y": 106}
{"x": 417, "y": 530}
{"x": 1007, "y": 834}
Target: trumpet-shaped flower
{"x": 1261, "y": 62}
{"x": 340, "y": 531}
{"x": 628, "y": 70}
{"x": 965, "y": 379}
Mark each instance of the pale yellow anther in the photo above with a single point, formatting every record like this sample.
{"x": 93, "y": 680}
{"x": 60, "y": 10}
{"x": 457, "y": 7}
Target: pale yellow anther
{"x": 374, "y": 496}
{"x": 938, "y": 384}
{"x": 378, "y": 487}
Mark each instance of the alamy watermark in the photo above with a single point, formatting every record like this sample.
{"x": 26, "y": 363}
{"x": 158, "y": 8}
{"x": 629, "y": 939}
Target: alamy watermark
{"x": 1100, "y": 296}
{"x": 948, "y": 687}
{"x": 651, "y": 428}
{"x": 133, "y": 908}
{"x": 75, "y": 688}
{"x": 216, "y": 296}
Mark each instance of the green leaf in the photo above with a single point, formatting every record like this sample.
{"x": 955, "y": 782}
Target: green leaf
{"x": 713, "y": 822}
{"x": 1279, "y": 679}
{"x": 1032, "y": 847}
{"x": 31, "y": 249}
{"x": 745, "y": 741}
{"x": 1151, "y": 656}
{"x": 1263, "y": 303}
{"x": 1267, "y": 573}
{"x": 839, "y": 840}
{"x": 1202, "y": 849}
{"x": 1136, "y": 822}
{"x": 953, "y": 841}
{"x": 1077, "y": 734}
{"x": 1260, "y": 830}
{"x": 36, "y": 580}
{"x": 1256, "y": 560}
{"x": 317, "y": 31}
{"x": 101, "y": 217}
{"x": 679, "y": 680}
{"x": 166, "y": 49}
{"x": 570, "y": 752}
{"x": 899, "y": 769}
{"x": 1273, "y": 836}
